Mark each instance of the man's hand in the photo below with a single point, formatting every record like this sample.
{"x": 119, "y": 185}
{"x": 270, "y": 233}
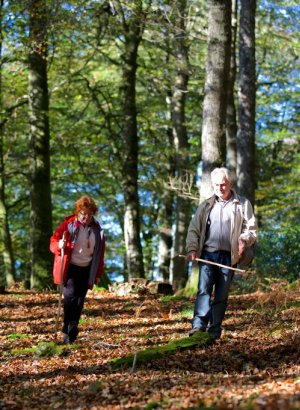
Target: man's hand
{"x": 242, "y": 246}
{"x": 192, "y": 256}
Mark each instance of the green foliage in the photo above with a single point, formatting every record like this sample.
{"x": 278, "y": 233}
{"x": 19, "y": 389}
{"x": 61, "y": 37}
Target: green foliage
{"x": 278, "y": 253}
{"x": 85, "y": 47}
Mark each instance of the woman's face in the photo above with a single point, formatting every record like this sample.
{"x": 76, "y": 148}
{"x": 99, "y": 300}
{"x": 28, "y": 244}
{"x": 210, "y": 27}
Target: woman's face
{"x": 84, "y": 217}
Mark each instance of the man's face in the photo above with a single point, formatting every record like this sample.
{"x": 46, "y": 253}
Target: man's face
{"x": 222, "y": 187}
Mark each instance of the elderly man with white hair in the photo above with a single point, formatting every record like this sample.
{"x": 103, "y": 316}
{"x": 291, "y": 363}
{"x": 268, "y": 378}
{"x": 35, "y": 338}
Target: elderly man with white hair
{"x": 222, "y": 227}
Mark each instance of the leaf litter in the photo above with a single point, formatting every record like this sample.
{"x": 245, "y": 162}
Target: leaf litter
{"x": 254, "y": 366}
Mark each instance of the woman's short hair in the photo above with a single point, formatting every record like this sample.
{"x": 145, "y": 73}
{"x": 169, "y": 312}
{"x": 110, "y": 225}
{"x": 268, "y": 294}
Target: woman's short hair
{"x": 86, "y": 204}
{"x": 228, "y": 174}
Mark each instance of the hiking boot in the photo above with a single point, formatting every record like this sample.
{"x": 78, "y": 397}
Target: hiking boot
{"x": 66, "y": 339}
{"x": 72, "y": 331}
{"x": 214, "y": 336}
{"x": 195, "y": 330}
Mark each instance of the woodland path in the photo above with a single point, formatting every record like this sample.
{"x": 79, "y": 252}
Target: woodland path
{"x": 256, "y": 364}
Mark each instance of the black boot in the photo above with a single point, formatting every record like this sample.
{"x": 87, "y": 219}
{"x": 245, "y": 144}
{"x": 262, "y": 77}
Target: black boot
{"x": 72, "y": 331}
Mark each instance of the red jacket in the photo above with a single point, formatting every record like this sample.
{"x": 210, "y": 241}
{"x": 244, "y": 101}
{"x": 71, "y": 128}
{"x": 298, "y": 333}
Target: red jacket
{"x": 70, "y": 226}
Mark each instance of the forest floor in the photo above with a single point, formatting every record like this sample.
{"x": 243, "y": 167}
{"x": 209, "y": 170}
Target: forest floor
{"x": 255, "y": 365}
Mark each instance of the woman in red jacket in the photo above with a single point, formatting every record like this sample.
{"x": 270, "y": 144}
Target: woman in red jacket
{"x": 83, "y": 241}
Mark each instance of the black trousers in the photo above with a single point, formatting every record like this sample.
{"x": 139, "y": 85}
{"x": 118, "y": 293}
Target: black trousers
{"x": 74, "y": 294}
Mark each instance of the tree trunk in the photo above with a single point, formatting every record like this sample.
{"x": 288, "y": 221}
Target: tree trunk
{"x": 165, "y": 236}
{"x": 167, "y": 201}
{"x": 7, "y": 272}
{"x": 231, "y": 120}
{"x": 215, "y": 93}
{"x": 40, "y": 191}
{"x": 181, "y": 144}
{"x": 134, "y": 254}
{"x": 246, "y": 108}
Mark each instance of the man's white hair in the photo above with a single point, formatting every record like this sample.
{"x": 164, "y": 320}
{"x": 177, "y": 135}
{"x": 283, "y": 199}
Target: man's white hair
{"x": 228, "y": 174}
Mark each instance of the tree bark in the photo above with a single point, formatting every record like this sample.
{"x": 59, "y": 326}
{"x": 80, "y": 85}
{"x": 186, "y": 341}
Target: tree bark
{"x": 133, "y": 28}
{"x": 246, "y": 98}
{"x": 165, "y": 236}
{"x": 40, "y": 191}
{"x": 215, "y": 92}
{"x": 231, "y": 120}
{"x": 7, "y": 264}
{"x": 181, "y": 144}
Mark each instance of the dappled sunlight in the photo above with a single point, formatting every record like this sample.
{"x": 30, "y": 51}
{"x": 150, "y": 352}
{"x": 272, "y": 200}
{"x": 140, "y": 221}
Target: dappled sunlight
{"x": 256, "y": 361}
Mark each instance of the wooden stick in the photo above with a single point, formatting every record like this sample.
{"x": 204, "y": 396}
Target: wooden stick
{"x": 214, "y": 263}
{"x": 62, "y": 254}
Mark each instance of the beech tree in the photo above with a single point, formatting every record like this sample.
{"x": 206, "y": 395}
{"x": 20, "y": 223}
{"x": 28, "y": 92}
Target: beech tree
{"x": 132, "y": 21}
{"x": 40, "y": 191}
{"x": 7, "y": 267}
{"x": 215, "y": 92}
{"x": 231, "y": 120}
{"x": 246, "y": 102}
{"x": 180, "y": 141}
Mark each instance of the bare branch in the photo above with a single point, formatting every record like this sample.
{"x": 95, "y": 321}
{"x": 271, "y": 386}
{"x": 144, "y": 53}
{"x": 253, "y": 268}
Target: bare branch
{"x": 183, "y": 186}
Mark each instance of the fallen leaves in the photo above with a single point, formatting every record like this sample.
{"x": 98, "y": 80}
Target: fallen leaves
{"x": 254, "y": 366}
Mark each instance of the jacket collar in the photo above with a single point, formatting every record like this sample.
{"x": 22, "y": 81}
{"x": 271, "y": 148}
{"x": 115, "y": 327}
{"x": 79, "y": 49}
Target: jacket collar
{"x": 213, "y": 198}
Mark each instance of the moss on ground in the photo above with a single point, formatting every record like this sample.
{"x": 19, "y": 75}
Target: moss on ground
{"x": 151, "y": 353}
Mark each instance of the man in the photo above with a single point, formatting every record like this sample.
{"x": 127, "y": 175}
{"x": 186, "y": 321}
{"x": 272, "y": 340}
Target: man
{"x": 223, "y": 226}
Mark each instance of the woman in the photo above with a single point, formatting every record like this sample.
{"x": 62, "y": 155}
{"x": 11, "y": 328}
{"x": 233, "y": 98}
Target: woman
{"x": 83, "y": 241}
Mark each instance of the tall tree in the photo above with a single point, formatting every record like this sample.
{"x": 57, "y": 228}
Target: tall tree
{"x": 40, "y": 191}
{"x": 7, "y": 266}
{"x": 231, "y": 120}
{"x": 216, "y": 85}
{"x": 246, "y": 102}
{"x": 132, "y": 18}
{"x": 180, "y": 138}
{"x": 167, "y": 200}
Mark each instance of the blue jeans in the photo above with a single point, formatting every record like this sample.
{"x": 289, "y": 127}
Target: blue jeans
{"x": 207, "y": 312}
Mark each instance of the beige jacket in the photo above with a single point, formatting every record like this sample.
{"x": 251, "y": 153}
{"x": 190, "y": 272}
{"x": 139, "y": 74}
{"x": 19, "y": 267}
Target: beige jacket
{"x": 243, "y": 225}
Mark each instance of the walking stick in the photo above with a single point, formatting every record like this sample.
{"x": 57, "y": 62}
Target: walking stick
{"x": 62, "y": 254}
{"x": 214, "y": 263}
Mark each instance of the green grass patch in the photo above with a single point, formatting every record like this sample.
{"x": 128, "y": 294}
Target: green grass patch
{"x": 15, "y": 295}
{"x": 152, "y": 405}
{"x": 151, "y": 353}
{"x": 186, "y": 313}
{"x": 173, "y": 298}
{"x": 44, "y": 349}
{"x": 17, "y": 336}
{"x": 288, "y": 305}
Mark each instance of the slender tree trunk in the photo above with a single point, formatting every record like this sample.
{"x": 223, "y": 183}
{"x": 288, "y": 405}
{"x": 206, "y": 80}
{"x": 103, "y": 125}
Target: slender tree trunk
{"x": 246, "y": 97}
{"x": 166, "y": 219}
{"x": 7, "y": 265}
{"x": 181, "y": 144}
{"x": 231, "y": 120}
{"x": 40, "y": 191}
{"x": 167, "y": 202}
{"x": 216, "y": 85}
{"x": 8, "y": 273}
{"x": 134, "y": 254}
